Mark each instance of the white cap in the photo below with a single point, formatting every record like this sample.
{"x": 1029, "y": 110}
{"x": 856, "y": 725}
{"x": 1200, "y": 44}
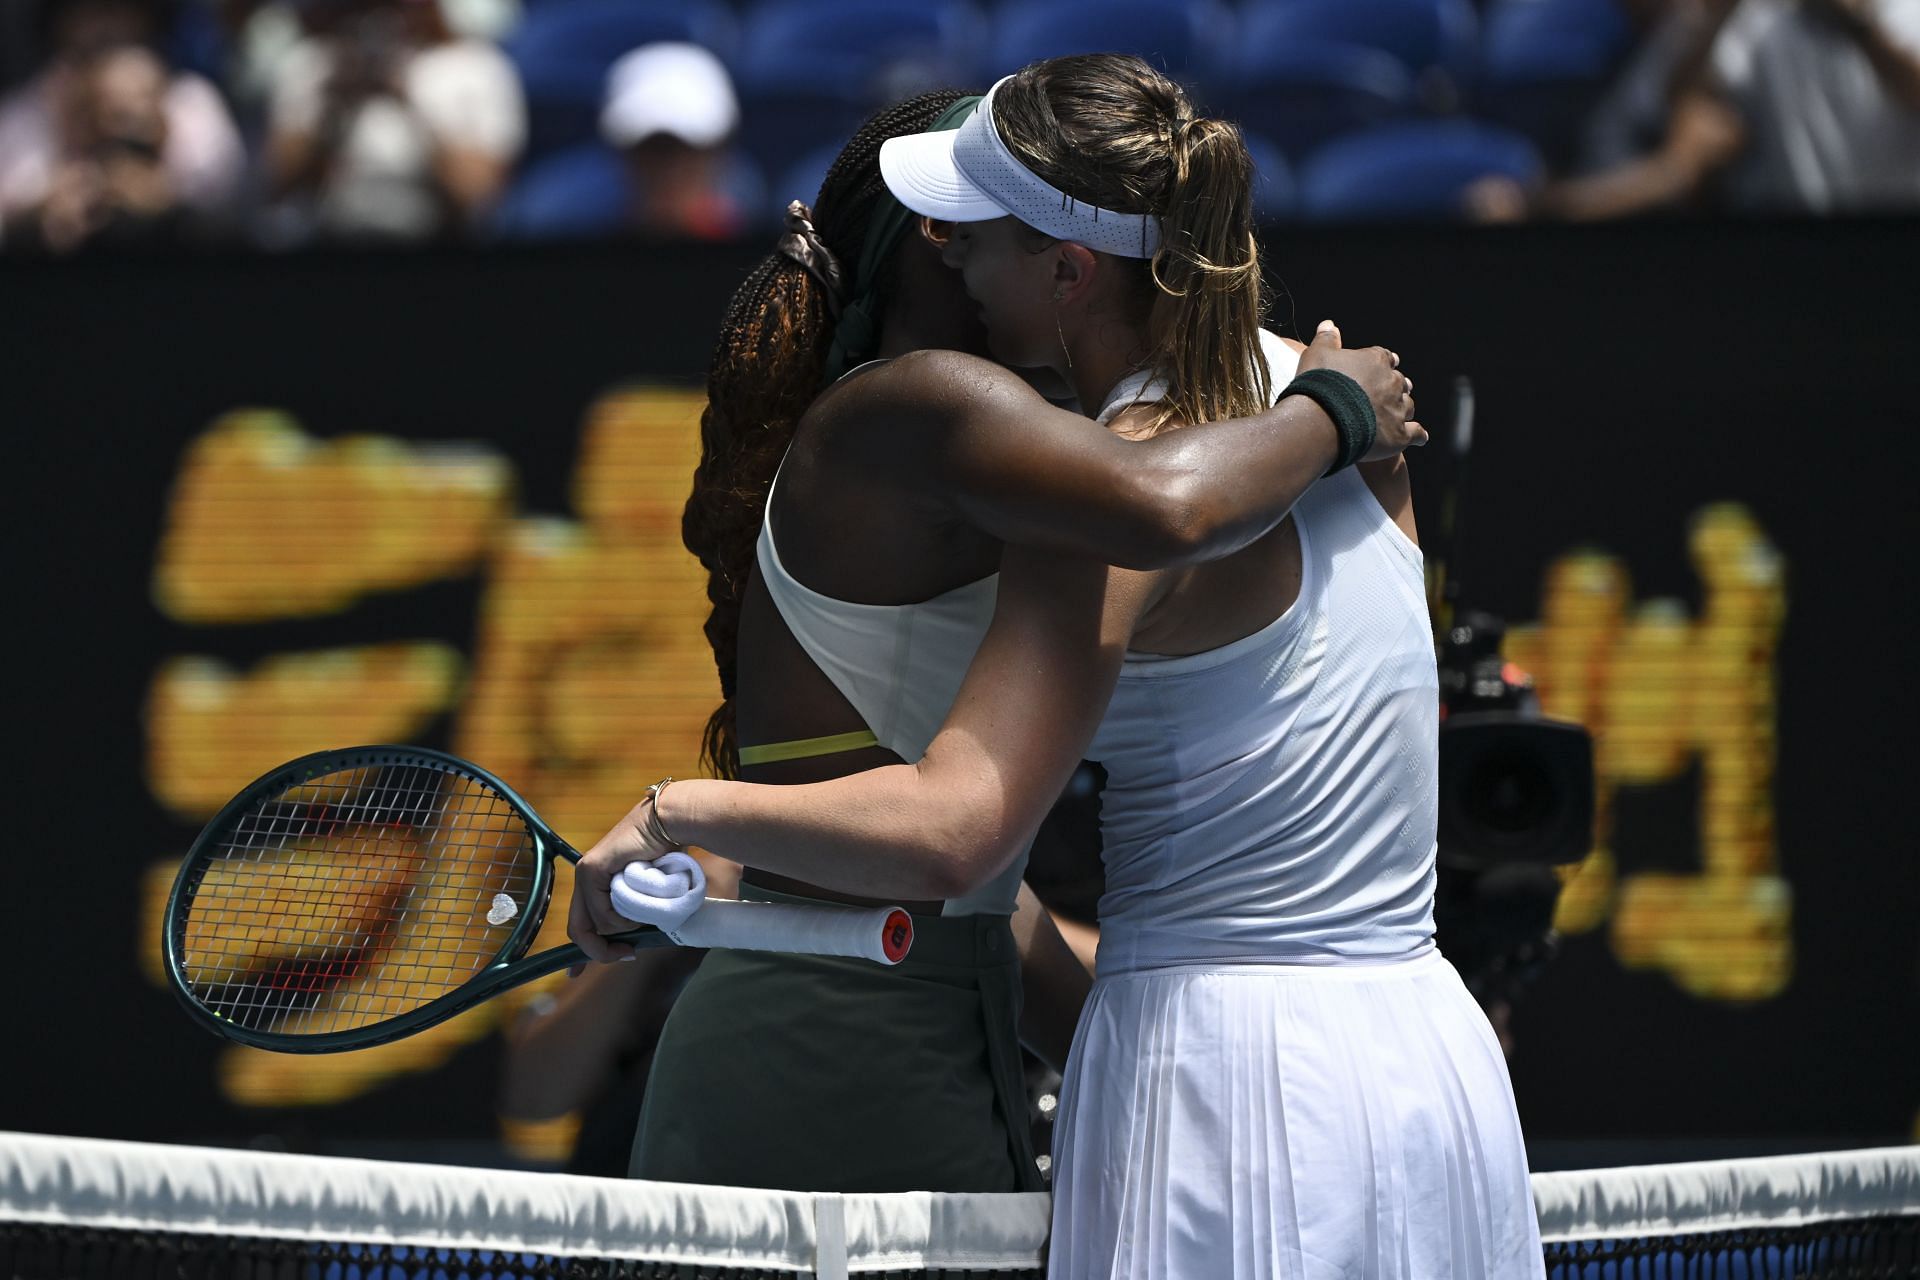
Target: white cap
{"x": 969, "y": 175}
{"x": 677, "y": 89}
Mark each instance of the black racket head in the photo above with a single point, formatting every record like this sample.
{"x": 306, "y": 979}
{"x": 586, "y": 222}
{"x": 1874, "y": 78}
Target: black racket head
{"x": 345, "y": 898}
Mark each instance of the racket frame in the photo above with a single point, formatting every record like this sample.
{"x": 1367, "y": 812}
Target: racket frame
{"x": 510, "y": 966}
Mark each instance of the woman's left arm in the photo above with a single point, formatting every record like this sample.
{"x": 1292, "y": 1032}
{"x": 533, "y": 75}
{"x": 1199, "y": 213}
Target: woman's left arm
{"x": 942, "y": 826}
{"x": 1054, "y": 981}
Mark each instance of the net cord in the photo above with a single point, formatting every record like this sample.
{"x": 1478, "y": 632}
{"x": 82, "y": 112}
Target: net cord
{"x": 1727, "y": 1195}
{"x": 125, "y": 1186}
{"x": 83, "y": 1184}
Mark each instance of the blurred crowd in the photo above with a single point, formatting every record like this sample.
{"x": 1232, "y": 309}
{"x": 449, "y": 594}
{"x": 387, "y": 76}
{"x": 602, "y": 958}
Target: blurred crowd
{"x": 280, "y": 123}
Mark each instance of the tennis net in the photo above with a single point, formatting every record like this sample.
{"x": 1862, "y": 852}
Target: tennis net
{"x": 1834, "y": 1215}
{"x": 73, "y": 1208}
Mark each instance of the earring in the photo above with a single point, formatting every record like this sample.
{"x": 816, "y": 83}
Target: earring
{"x": 1061, "y": 332}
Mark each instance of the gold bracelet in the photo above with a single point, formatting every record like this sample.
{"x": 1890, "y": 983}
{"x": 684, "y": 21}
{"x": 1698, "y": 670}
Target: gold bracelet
{"x": 659, "y": 823}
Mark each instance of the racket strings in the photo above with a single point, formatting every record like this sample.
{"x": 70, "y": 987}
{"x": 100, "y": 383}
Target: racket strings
{"x": 355, "y": 898}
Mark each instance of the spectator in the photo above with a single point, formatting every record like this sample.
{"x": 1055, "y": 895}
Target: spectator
{"x": 115, "y": 186}
{"x": 382, "y": 126}
{"x": 76, "y": 136}
{"x": 258, "y": 35}
{"x": 1801, "y": 106}
{"x": 1672, "y": 39}
{"x": 670, "y": 112}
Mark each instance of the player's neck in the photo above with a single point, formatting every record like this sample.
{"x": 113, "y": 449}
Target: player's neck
{"x": 906, "y": 329}
{"x": 1094, "y": 364}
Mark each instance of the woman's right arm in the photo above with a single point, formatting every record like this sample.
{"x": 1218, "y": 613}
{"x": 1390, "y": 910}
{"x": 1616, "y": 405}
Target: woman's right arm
{"x": 949, "y": 822}
{"x": 1030, "y": 474}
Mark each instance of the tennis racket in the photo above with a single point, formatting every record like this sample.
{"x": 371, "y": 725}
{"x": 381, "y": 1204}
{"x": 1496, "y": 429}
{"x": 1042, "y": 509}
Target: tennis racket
{"x": 353, "y": 897}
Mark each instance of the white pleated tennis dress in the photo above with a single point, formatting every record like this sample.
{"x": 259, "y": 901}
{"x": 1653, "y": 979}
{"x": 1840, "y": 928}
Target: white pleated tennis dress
{"x": 1278, "y": 1076}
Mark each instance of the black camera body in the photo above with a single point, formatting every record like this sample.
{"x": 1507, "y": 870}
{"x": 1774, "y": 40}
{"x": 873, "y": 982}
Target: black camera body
{"x": 1514, "y": 785}
{"x": 1516, "y": 801}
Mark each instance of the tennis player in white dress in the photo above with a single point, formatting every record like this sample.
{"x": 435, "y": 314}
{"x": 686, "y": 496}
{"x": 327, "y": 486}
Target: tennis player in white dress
{"x": 1277, "y": 1074}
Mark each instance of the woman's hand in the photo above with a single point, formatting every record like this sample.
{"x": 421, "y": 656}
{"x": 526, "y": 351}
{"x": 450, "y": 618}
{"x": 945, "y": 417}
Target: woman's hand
{"x": 591, "y": 918}
{"x": 1377, "y": 370}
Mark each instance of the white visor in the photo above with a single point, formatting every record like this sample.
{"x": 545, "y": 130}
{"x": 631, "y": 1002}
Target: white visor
{"x": 969, "y": 175}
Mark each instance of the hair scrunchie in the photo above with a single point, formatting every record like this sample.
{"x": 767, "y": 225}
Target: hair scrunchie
{"x": 802, "y": 243}
{"x": 856, "y": 332}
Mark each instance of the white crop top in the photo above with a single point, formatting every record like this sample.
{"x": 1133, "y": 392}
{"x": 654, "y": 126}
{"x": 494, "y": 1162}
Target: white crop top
{"x": 900, "y": 665}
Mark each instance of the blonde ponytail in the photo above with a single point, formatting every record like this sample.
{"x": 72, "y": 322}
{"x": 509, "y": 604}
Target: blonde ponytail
{"x": 1113, "y": 131}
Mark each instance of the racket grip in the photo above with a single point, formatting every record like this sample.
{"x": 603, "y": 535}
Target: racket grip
{"x": 881, "y": 934}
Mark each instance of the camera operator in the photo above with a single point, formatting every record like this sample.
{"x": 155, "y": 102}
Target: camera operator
{"x": 109, "y": 143}
{"x": 114, "y": 186}
{"x": 1516, "y": 801}
{"x": 382, "y": 126}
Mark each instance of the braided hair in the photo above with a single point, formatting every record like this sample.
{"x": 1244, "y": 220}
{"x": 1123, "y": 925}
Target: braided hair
{"x": 766, "y": 369}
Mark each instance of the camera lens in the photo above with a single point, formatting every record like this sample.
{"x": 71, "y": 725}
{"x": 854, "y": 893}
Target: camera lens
{"x": 1509, "y": 792}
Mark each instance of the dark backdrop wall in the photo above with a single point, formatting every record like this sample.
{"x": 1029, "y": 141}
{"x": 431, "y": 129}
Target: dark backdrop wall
{"x": 1690, "y": 490}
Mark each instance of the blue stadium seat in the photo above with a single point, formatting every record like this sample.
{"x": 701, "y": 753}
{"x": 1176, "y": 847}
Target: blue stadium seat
{"x": 800, "y": 181}
{"x": 581, "y": 191}
{"x": 1544, "y": 63}
{"x": 779, "y": 124}
{"x": 563, "y": 53}
{"x": 197, "y": 42}
{"x": 809, "y": 71}
{"x": 1431, "y": 38}
{"x": 1414, "y": 170}
{"x": 1557, "y": 37}
{"x": 1184, "y": 38}
{"x": 1274, "y": 195}
{"x": 585, "y": 191}
{"x": 882, "y": 48}
{"x": 1299, "y": 93}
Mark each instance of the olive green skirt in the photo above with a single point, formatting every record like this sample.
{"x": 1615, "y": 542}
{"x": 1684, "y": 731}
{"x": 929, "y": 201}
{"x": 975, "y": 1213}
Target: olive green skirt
{"x": 806, "y": 1073}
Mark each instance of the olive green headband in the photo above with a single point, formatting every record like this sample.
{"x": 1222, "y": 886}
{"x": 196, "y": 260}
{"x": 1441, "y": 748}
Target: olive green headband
{"x": 857, "y": 334}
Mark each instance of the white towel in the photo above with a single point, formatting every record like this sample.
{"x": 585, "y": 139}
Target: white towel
{"x": 662, "y": 893}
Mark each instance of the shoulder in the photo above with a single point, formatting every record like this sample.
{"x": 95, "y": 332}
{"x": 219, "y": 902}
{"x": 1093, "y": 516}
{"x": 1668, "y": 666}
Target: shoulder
{"x": 1283, "y": 359}
{"x": 1901, "y": 21}
{"x": 931, "y": 372}
{"x": 467, "y": 58}
{"x": 299, "y": 84}
{"x": 955, "y": 424}
{"x": 191, "y": 92}
{"x": 309, "y": 61}
{"x": 941, "y": 389}
{"x": 469, "y": 92}
{"x": 26, "y": 106}
{"x": 26, "y": 142}
{"x": 1392, "y": 486}
{"x": 1752, "y": 23}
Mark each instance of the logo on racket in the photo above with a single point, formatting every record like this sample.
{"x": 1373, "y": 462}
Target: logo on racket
{"x": 896, "y": 937}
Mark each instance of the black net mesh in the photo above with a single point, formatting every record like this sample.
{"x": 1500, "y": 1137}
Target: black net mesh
{"x": 81, "y": 1209}
{"x": 1885, "y": 1248}
{"x": 1869, "y": 1248}
{"x": 40, "y": 1251}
